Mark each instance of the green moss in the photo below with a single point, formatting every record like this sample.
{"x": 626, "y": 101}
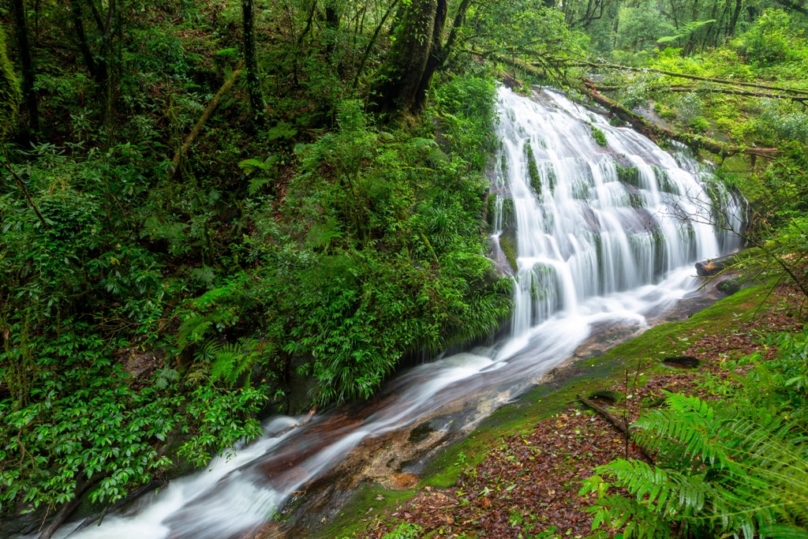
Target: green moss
{"x": 599, "y": 136}
{"x": 508, "y": 214}
{"x": 591, "y": 376}
{"x": 532, "y": 169}
{"x": 369, "y": 498}
{"x": 664, "y": 182}
{"x": 507, "y": 242}
{"x": 491, "y": 210}
{"x": 550, "y": 174}
{"x": 628, "y": 175}
{"x": 9, "y": 91}
{"x": 699, "y": 124}
{"x": 636, "y": 201}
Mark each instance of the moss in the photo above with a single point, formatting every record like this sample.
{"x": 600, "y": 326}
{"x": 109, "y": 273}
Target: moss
{"x": 628, "y": 175}
{"x": 369, "y": 498}
{"x": 636, "y": 201}
{"x": 491, "y": 211}
{"x": 550, "y": 174}
{"x": 664, "y": 182}
{"x": 599, "y": 136}
{"x": 9, "y": 91}
{"x": 532, "y": 169}
{"x": 508, "y": 214}
{"x": 589, "y": 377}
{"x": 580, "y": 190}
{"x": 507, "y": 242}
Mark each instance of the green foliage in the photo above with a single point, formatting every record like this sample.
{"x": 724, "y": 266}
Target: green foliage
{"x": 685, "y": 31}
{"x": 405, "y": 531}
{"x": 533, "y": 169}
{"x": 426, "y": 281}
{"x": 599, "y": 136}
{"x": 739, "y": 469}
{"x": 771, "y": 40}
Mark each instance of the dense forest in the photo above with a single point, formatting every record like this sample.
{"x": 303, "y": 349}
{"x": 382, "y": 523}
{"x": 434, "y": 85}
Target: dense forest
{"x": 213, "y": 212}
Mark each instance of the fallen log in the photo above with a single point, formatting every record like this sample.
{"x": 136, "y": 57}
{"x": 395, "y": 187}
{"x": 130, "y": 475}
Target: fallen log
{"x": 691, "y": 77}
{"x": 617, "y": 422}
{"x": 209, "y": 110}
{"x": 726, "y": 91}
{"x": 655, "y": 132}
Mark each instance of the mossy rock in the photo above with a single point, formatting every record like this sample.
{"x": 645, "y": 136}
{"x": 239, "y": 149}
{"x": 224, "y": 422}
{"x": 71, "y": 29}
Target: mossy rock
{"x": 507, "y": 242}
{"x": 599, "y": 136}
{"x": 532, "y": 169}
{"x": 664, "y": 182}
{"x": 636, "y": 201}
{"x": 508, "y": 214}
{"x": 628, "y": 175}
{"x": 491, "y": 211}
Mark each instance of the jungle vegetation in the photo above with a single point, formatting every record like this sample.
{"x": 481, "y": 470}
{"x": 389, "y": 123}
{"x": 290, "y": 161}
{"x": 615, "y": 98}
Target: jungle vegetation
{"x": 215, "y": 211}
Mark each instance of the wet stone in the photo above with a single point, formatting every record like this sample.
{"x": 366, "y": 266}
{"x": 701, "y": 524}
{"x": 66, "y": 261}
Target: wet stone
{"x": 681, "y": 362}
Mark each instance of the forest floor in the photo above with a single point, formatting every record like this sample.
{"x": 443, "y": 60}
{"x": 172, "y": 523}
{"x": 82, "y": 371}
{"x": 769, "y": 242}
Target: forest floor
{"x": 524, "y": 482}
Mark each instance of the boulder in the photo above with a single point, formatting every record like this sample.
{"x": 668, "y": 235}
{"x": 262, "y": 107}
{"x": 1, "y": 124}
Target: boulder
{"x": 708, "y": 268}
{"x": 729, "y": 286}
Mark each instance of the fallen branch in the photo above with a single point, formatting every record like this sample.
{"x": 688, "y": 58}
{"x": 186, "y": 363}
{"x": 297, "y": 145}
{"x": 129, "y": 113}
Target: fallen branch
{"x": 26, "y": 193}
{"x": 647, "y": 128}
{"x": 728, "y": 91}
{"x": 617, "y": 422}
{"x": 653, "y": 131}
{"x": 692, "y": 77}
{"x": 211, "y": 108}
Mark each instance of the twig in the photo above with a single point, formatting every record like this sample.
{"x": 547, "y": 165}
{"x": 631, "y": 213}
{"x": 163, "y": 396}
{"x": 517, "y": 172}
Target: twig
{"x": 23, "y": 187}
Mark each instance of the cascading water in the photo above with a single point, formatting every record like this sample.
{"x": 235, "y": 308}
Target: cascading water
{"x": 595, "y": 235}
{"x": 592, "y": 220}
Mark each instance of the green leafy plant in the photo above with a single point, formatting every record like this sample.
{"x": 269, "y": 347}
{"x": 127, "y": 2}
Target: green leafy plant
{"x": 738, "y": 469}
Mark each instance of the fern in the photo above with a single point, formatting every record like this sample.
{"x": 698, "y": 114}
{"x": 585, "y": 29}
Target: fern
{"x": 685, "y": 31}
{"x": 738, "y": 471}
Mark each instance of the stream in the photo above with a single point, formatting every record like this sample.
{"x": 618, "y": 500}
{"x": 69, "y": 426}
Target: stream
{"x": 603, "y": 236}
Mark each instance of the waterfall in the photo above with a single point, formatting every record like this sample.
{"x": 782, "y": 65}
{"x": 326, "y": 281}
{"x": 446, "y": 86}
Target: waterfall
{"x": 594, "y": 236}
{"x": 590, "y": 220}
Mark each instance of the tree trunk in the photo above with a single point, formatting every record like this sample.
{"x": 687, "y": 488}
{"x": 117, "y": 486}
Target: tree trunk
{"x": 78, "y": 24}
{"x": 400, "y": 80}
{"x": 24, "y": 50}
{"x": 733, "y": 23}
{"x": 250, "y": 61}
{"x": 417, "y": 54}
{"x": 9, "y": 91}
{"x": 332, "y": 20}
{"x": 437, "y": 56}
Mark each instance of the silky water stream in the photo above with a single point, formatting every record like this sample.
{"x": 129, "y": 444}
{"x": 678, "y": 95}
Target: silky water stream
{"x": 596, "y": 236}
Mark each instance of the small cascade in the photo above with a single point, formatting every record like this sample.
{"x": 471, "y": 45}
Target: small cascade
{"x": 596, "y": 236}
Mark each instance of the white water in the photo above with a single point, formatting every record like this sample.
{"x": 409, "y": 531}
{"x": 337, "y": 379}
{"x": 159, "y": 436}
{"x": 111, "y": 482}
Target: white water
{"x": 592, "y": 251}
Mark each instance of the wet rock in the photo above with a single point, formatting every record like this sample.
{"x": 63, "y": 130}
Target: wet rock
{"x": 681, "y": 362}
{"x": 708, "y": 268}
{"x": 401, "y": 481}
{"x": 20, "y": 523}
{"x": 729, "y": 286}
